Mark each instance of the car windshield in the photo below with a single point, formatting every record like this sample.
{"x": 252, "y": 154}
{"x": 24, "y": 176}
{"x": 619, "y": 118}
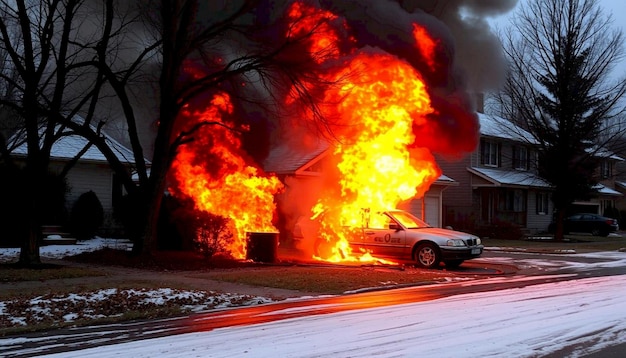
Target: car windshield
{"x": 407, "y": 220}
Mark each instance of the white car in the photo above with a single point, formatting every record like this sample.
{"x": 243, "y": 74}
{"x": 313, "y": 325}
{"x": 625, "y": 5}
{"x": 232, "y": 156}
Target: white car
{"x": 398, "y": 235}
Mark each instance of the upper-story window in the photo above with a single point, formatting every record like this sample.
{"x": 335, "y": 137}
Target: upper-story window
{"x": 489, "y": 153}
{"x": 520, "y": 158}
{"x": 606, "y": 170}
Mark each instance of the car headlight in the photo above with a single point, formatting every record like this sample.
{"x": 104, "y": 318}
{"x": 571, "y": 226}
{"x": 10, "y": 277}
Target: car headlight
{"x": 456, "y": 242}
{"x": 478, "y": 241}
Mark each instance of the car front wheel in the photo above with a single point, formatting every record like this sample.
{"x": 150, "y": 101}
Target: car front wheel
{"x": 427, "y": 255}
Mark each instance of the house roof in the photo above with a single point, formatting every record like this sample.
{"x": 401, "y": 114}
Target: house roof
{"x": 287, "y": 160}
{"x": 67, "y": 147}
{"x": 446, "y": 180}
{"x": 604, "y": 153}
{"x": 498, "y": 127}
{"x": 605, "y": 190}
{"x": 500, "y": 177}
{"x": 520, "y": 178}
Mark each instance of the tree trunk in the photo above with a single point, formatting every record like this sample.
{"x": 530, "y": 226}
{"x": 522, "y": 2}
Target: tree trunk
{"x": 175, "y": 48}
{"x": 35, "y": 173}
{"x": 157, "y": 184}
{"x": 29, "y": 253}
{"x": 150, "y": 232}
{"x": 151, "y": 199}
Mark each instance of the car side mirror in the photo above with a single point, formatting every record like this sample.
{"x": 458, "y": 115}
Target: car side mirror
{"x": 394, "y": 226}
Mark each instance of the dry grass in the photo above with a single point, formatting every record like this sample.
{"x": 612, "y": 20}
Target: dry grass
{"x": 328, "y": 279}
{"x": 13, "y": 273}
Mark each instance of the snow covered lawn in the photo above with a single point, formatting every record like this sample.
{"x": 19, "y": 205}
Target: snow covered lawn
{"x": 80, "y": 306}
{"x": 53, "y": 309}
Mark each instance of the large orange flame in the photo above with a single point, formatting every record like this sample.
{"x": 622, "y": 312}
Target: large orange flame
{"x": 311, "y": 24}
{"x": 378, "y": 169}
{"x": 378, "y": 162}
{"x": 212, "y": 170}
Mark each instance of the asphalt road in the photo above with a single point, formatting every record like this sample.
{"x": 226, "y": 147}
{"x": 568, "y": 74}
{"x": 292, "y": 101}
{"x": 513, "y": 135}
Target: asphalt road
{"x": 557, "y": 268}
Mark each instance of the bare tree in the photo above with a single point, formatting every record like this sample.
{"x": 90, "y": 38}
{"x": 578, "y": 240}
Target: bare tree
{"x": 69, "y": 55}
{"x": 561, "y": 53}
{"x": 228, "y": 45}
{"x": 9, "y": 120}
{"x": 48, "y": 46}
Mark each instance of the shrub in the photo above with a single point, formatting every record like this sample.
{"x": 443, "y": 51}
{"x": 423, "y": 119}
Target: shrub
{"x": 213, "y": 234}
{"x": 182, "y": 225}
{"x": 87, "y": 216}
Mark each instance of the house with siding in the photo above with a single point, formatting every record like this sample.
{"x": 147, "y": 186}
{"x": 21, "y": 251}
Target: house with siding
{"x": 609, "y": 187}
{"x": 91, "y": 172}
{"x": 499, "y": 186}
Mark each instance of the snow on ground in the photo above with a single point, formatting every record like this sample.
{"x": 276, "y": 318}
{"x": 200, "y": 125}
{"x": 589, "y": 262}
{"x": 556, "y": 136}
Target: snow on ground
{"x": 113, "y": 302}
{"x": 102, "y": 303}
{"x": 60, "y": 251}
{"x": 577, "y": 317}
{"x": 605, "y": 259}
{"x": 581, "y": 315}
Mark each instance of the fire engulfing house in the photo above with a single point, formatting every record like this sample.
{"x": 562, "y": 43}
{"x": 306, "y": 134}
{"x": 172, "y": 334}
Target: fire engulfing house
{"x": 301, "y": 171}
{"x": 499, "y": 186}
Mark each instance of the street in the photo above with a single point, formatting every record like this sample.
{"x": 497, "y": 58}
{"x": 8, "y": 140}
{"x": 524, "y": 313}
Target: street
{"x": 534, "y": 270}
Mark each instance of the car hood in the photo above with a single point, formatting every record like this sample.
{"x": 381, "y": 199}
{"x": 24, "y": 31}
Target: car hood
{"x": 440, "y": 233}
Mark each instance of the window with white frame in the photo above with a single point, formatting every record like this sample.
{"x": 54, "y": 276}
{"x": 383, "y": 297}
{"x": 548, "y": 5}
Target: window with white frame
{"x": 490, "y": 153}
{"x": 520, "y": 158}
{"x": 542, "y": 203}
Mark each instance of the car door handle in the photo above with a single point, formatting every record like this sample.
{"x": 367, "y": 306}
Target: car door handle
{"x": 369, "y": 233}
